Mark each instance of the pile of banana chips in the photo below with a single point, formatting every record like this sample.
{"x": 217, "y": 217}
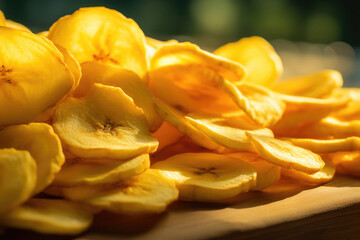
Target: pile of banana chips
{"x": 95, "y": 116}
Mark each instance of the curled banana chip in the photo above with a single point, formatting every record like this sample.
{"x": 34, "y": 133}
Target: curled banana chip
{"x": 352, "y": 109}
{"x": 49, "y": 216}
{"x": 18, "y": 178}
{"x": 128, "y": 81}
{"x": 167, "y": 134}
{"x": 149, "y": 192}
{"x": 42, "y": 143}
{"x": 285, "y": 154}
{"x": 315, "y": 85}
{"x": 13, "y": 24}
{"x": 347, "y": 162}
{"x": 99, "y": 171}
{"x": 102, "y": 35}
{"x": 259, "y": 58}
{"x": 207, "y": 176}
{"x": 33, "y": 83}
{"x": 104, "y": 124}
{"x": 152, "y": 45}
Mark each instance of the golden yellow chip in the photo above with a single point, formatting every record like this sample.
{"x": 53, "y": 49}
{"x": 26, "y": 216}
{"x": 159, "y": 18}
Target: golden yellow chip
{"x": 102, "y": 35}
{"x": 207, "y": 176}
{"x": 167, "y": 134}
{"x": 43, "y": 33}
{"x": 100, "y": 171}
{"x": 152, "y": 45}
{"x": 72, "y": 64}
{"x": 42, "y": 143}
{"x": 285, "y": 154}
{"x": 315, "y": 85}
{"x": 18, "y": 178}
{"x": 2, "y": 19}
{"x": 33, "y": 82}
{"x": 49, "y": 216}
{"x": 259, "y": 58}
{"x": 352, "y": 109}
{"x": 13, "y": 24}
{"x": 104, "y": 124}
{"x": 347, "y": 162}
{"x": 149, "y": 192}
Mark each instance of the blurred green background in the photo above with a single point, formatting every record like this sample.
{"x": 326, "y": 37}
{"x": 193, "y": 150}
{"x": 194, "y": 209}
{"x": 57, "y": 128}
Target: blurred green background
{"x": 308, "y": 35}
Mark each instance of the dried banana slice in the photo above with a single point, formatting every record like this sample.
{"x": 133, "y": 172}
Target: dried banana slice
{"x": 149, "y": 192}
{"x": 102, "y": 35}
{"x": 129, "y": 82}
{"x": 17, "y": 178}
{"x": 13, "y": 24}
{"x": 177, "y": 119}
{"x": 347, "y": 162}
{"x": 42, "y": 143}
{"x": 167, "y": 134}
{"x": 285, "y": 154}
{"x": 104, "y": 124}
{"x": 99, "y": 171}
{"x": 49, "y": 216}
{"x": 2, "y": 19}
{"x": 72, "y": 64}
{"x": 32, "y": 83}
{"x": 266, "y": 173}
{"x": 259, "y": 58}
{"x": 208, "y": 176}
{"x": 352, "y": 109}
{"x": 152, "y": 45}
{"x": 223, "y": 133}
{"x": 315, "y": 85}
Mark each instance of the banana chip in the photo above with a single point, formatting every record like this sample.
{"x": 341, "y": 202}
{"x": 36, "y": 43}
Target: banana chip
{"x": 352, "y": 109}
{"x": 72, "y": 64}
{"x": 177, "y": 119}
{"x": 167, "y": 134}
{"x": 149, "y": 192}
{"x": 32, "y": 83}
{"x": 315, "y": 85}
{"x": 49, "y": 216}
{"x": 13, "y": 24}
{"x": 129, "y": 82}
{"x": 104, "y": 124}
{"x": 102, "y": 35}
{"x": 207, "y": 176}
{"x": 285, "y": 154}
{"x": 18, "y": 178}
{"x": 259, "y": 58}
{"x": 43, "y": 33}
{"x": 266, "y": 173}
{"x": 100, "y": 171}
{"x": 2, "y": 19}
{"x": 152, "y": 45}
{"x": 347, "y": 162}
{"x": 42, "y": 143}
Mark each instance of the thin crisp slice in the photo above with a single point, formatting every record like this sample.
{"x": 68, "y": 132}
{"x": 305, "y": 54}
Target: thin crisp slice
{"x": 352, "y": 109}
{"x": 42, "y": 143}
{"x": 188, "y": 53}
{"x": 259, "y": 58}
{"x": 260, "y": 103}
{"x": 100, "y": 171}
{"x": 347, "y": 162}
{"x": 17, "y": 178}
{"x": 128, "y": 81}
{"x": 327, "y": 145}
{"x": 33, "y": 82}
{"x": 285, "y": 154}
{"x": 177, "y": 119}
{"x": 207, "y": 177}
{"x": 315, "y": 85}
{"x": 49, "y": 216}
{"x": 266, "y": 173}
{"x": 223, "y": 133}
{"x": 149, "y": 192}
{"x": 72, "y": 64}
{"x": 167, "y": 134}
{"x": 152, "y": 45}
{"x": 102, "y": 35}
{"x": 326, "y": 174}
{"x": 104, "y": 124}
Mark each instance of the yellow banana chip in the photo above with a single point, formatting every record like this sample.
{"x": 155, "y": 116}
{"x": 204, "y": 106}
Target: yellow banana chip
{"x": 100, "y": 171}
{"x": 177, "y": 119}
{"x": 72, "y": 64}
{"x": 149, "y": 192}
{"x": 347, "y": 162}
{"x": 18, "y": 178}
{"x": 33, "y": 82}
{"x": 42, "y": 143}
{"x": 326, "y": 174}
{"x": 2, "y": 19}
{"x": 328, "y": 145}
{"x": 104, "y": 124}
{"x": 315, "y": 85}
{"x": 261, "y": 104}
{"x": 207, "y": 176}
{"x": 167, "y": 134}
{"x": 352, "y": 109}
{"x": 188, "y": 53}
{"x": 266, "y": 173}
{"x": 259, "y": 58}
{"x": 13, "y": 24}
{"x": 129, "y": 82}
{"x": 102, "y": 35}
{"x": 49, "y": 216}
{"x": 223, "y": 133}
{"x": 285, "y": 154}
{"x": 152, "y": 45}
